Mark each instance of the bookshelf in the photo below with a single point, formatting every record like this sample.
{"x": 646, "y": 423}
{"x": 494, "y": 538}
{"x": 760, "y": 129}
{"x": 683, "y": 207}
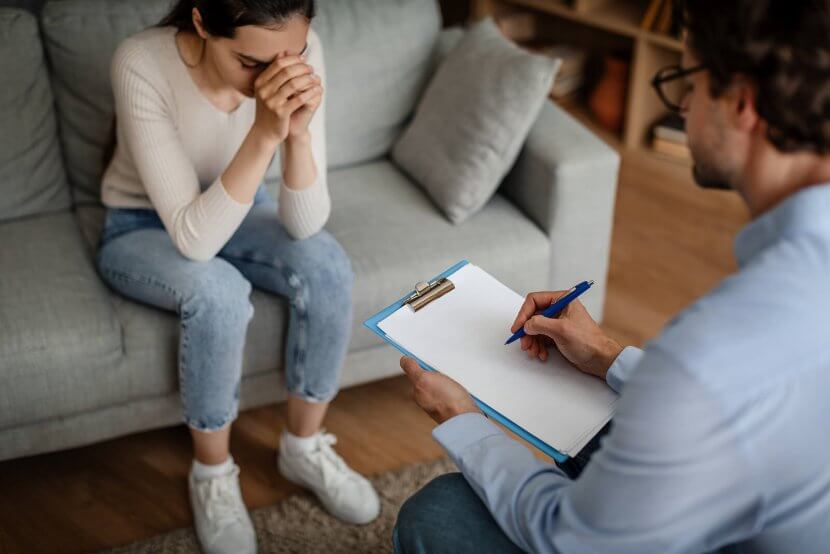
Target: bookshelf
{"x": 604, "y": 26}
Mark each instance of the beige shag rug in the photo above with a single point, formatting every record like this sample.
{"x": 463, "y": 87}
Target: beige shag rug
{"x": 299, "y": 523}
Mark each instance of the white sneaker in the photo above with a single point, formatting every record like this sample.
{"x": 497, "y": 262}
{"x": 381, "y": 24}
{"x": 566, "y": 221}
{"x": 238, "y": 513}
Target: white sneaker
{"x": 346, "y": 494}
{"x": 222, "y": 521}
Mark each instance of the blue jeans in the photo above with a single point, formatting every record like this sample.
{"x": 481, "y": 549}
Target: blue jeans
{"x": 447, "y": 516}
{"x": 137, "y": 258}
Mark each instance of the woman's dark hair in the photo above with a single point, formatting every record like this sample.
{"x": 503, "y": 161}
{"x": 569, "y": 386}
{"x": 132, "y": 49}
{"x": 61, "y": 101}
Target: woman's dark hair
{"x": 783, "y": 47}
{"x": 220, "y": 18}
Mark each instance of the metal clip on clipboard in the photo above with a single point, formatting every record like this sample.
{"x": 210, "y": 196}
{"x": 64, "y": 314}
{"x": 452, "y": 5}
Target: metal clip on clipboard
{"x": 427, "y": 292}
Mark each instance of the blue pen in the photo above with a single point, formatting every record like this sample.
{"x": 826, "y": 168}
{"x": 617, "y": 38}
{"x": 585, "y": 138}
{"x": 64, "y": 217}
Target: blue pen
{"x": 557, "y": 306}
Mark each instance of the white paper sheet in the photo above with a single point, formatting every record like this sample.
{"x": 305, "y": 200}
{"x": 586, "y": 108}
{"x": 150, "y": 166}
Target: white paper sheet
{"x": 462, "y": 335}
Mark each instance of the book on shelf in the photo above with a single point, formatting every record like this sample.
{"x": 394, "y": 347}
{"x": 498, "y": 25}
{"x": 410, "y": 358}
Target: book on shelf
{"x": 651, "y": 14}
{"x": 518, "y": 26}
{"x": 671, "y": 128}
{"x": 668, "y": 136}
{"x": 673, "y": 149}
{"x": 661, "y": 17}
{"x": 573, "y": 58}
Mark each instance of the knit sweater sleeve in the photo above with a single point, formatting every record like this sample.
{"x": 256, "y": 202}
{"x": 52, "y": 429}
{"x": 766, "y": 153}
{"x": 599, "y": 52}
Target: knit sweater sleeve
{"x": 199, "y": 223}
{"x": 304, "y": 212}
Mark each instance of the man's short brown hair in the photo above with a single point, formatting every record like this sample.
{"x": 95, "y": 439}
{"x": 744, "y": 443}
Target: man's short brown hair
{"x": 783, "y": 47}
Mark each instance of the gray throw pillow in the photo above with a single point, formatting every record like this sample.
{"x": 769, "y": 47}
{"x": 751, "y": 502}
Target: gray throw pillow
{"x": 473, "y": 119}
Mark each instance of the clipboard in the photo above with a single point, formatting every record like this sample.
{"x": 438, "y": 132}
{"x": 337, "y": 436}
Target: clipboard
{"x": 432, "y": 291}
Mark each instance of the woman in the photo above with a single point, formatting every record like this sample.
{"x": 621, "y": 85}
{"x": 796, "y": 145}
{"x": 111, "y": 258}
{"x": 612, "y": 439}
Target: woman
{"x": 203, "y": 103}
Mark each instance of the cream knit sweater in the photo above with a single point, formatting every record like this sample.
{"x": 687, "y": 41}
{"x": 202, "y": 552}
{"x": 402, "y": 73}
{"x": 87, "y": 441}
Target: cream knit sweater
{"x": 173, "y": 146}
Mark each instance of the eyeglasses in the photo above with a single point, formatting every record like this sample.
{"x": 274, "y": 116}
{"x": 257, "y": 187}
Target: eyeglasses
{"x": 673, "y": 97}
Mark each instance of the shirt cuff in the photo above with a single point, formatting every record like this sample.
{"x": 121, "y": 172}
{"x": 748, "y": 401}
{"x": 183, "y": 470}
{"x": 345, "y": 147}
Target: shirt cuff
{"x": 458, "y": 433}
{"x": 623, "y": 367}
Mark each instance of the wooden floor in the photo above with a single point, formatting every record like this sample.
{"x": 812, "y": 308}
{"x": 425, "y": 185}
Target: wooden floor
{"x": 671, "y": 243}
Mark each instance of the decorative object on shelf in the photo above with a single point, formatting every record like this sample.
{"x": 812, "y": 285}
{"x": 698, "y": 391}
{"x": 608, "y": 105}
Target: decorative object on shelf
{"x": 607, "y": 101}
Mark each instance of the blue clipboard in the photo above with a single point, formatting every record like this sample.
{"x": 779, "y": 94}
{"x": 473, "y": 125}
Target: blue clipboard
{"x": 373, "y": 325}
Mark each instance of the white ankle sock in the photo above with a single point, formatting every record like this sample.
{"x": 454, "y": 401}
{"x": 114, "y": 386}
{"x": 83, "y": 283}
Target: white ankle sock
{"x": 204, "y": 471}
{"x": 295, "y": 445}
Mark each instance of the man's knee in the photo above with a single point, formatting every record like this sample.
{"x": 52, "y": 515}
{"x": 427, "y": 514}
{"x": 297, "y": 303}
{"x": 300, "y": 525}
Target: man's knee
{"x": 428, "y": 511}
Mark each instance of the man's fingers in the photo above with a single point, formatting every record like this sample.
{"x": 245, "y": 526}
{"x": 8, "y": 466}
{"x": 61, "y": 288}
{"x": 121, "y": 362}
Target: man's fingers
{"x": 411, "y": 368}
{"x": 521, "y": 317}
{"x": 541, "y": 325}
{"x": 533, "y": 351}
{"x": 535, "y": 302}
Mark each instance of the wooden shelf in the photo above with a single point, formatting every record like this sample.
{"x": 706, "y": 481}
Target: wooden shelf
{"x": 605, "y": 22}
{"x": 580, "y": 112}
{"x": 620, "y": 17}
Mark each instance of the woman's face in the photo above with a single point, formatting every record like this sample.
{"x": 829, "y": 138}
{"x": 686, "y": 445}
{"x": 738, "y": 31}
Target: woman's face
{"x": 238, "y": 61}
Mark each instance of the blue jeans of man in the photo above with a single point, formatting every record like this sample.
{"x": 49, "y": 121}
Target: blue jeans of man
{"x": 137, "y": 258}
{"x": 447, "y": 516}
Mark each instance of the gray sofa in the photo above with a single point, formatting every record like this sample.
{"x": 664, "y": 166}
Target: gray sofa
{"x": 80, "y": 364}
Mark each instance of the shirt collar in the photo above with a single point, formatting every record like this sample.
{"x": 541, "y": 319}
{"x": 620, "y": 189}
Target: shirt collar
{"x": 805, "y": 212}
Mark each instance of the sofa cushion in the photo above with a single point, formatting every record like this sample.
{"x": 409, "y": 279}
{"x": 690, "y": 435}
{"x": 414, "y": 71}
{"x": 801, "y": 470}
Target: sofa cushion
{"x": 32, "y": 178}
{"x": 80, "y": 38}
{"x": 378, "y": 57}
{"x": 395, "y": 237}
{"x": 61, "y": 341}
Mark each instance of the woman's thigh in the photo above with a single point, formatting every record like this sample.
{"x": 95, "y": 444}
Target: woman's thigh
{"x": 145, "y": 266}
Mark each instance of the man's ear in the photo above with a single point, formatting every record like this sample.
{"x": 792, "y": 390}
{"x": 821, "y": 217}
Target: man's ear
{"x": 742, "y": 99}
{"x": 197, "y": 23}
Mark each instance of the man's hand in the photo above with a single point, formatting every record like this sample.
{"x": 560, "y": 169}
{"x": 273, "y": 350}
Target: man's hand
{"x": 436, "y": 394}
{"x": 574, "y": 333}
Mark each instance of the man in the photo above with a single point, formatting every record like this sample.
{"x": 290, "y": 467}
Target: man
{"x": 721, "y": 440}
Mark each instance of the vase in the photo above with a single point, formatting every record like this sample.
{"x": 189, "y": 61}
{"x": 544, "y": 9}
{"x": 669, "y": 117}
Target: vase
{"x": 607, "y": 101}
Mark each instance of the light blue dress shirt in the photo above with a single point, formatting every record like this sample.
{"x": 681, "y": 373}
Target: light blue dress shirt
{"x": 721, "y": 440}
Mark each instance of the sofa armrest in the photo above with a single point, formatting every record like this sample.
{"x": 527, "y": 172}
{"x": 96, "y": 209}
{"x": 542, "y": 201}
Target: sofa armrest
{"x": 565, "y": 180}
